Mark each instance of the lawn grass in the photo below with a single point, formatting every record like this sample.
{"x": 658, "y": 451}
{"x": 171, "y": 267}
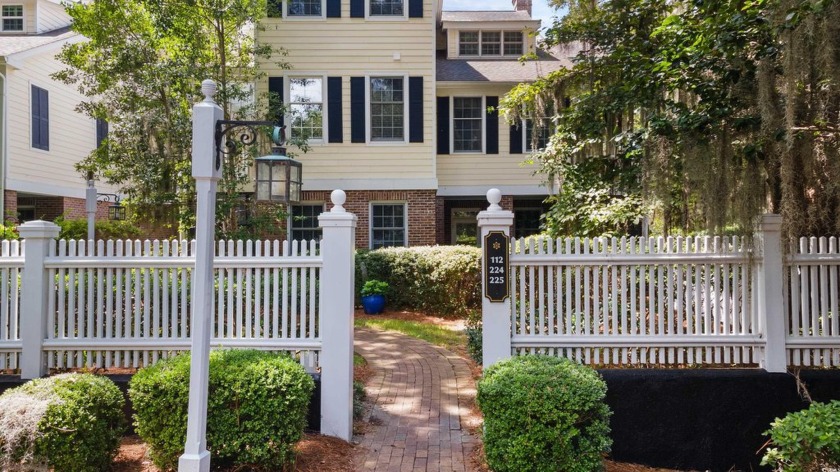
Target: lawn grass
{"x": 428, "y": 332}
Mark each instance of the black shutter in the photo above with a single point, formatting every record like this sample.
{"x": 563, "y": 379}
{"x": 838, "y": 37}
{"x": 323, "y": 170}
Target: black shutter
{"x": 40, "y": 118}
{"x": 415, "y": 109}
{"x": 357, "y": 110}
{"x": 334, "y": 110}
{"x": 101, "y": 131}
{"x": 333, "y": 8}
{"x": 357, "y": 8}
{"x": 492, "y": 144}
{"x": 275, "y": 99}
{"x": 415, "y": 8}
{"x": 516, "y": 132}
{"x": 443, "y": 125}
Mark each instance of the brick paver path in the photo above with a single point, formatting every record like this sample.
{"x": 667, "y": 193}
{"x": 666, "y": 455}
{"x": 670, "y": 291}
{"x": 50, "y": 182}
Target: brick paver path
{"x": 419, "y": 393}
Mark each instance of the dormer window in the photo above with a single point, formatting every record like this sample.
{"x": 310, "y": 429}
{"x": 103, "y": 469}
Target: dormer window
{"x": 490, "y": 43}
{"x": 12, "y": 18}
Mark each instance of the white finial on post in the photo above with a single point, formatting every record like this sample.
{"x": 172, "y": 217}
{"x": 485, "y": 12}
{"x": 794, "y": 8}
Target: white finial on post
{"x": 208, "y": 88}
{"x": 338, "y": 198}
{"x": 494, "y": 196}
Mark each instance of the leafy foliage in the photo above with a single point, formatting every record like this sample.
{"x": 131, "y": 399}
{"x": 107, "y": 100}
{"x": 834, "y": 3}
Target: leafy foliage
{"x": 807, "y": 440}
{"x": 141, "y": 68}
{"x": 256, "y": 410}
{"x": 474, "y": 330}
{"x": 710, "y": 112}
{"x": 9, "y": 231}
{"x": 374, "y": 287}
{"x": 436, "y": 279}
{"x": 543, "y": 414}
{"x": 77, "y": 229}
{"x": 68, "y": 422}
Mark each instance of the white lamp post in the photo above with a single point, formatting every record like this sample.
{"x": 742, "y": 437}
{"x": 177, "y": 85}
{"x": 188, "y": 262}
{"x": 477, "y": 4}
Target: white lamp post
{"x": 206, "y": 170}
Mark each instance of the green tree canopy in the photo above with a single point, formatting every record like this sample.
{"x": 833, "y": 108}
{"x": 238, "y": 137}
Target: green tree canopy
{"x": 141, "y": 69}
{"x": 705, "y": 113}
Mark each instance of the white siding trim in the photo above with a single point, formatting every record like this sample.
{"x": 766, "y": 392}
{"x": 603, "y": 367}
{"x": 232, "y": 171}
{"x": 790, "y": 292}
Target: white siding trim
{"x": 480, "y": 191}
{"x": 370, "y": 184}
{"x": 46, "y": 189}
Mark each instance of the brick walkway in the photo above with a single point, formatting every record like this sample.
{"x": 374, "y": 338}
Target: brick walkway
{"x": 415, "y": 424}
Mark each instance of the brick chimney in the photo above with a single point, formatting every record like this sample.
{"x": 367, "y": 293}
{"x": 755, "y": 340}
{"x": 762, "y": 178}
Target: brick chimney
{"x": 522, "y": 5}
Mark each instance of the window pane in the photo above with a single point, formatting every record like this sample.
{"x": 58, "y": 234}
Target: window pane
{"x": 387, "y": 109}
{"x": 304, "y": 222}
{"x": 13, "y": 10}
{"x": 304, "y": 8}
{"x": 468, "y": 41}
{"x": 306, "y": 107}
{"x": 386, "y": 7}
{"x": 388, "y": 225}
{"x": 543, "y": 133}
{"x": 467, "y": 124}
{"x": 491, "y": 43}
{"x": 513, "y": 43}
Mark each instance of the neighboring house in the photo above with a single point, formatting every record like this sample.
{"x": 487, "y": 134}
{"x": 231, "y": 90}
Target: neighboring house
{"x": 396, "y": 98}
{"x": 41, "y": 134}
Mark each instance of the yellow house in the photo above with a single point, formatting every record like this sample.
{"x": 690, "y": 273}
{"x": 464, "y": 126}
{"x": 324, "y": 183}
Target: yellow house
{"x": 42, "y": 136}
{"x": 397, "y": 99}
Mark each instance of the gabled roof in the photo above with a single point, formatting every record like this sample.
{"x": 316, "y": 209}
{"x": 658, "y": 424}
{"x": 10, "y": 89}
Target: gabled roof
{"x": 13, "y": 44}
{"x": 501, "y": 70}
{"x": 486, "y": 16}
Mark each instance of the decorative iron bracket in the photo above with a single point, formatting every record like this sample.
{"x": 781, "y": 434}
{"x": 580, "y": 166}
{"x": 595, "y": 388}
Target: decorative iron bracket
{"x": 228, "y": 138}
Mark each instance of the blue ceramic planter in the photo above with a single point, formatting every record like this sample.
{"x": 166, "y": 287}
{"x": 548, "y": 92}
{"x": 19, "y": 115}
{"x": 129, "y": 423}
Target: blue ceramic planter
{"x": 373, "y": 304}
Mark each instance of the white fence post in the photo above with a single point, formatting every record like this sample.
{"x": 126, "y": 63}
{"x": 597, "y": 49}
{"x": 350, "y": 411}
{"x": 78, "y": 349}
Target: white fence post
{"x": 771, "y": 311}
{"x": 337, "y": 297}
{"x": 495, "y": 316}
{"x": 38, "y": 235}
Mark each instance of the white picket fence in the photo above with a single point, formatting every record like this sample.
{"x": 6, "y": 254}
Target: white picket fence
{"x": 609, "y": 301}
{"x": 127, "y": 303}
{"x": 667, "y": 302}
{"x": 813, "y": 311}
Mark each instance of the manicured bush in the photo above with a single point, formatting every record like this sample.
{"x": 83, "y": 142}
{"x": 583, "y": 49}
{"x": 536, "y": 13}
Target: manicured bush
{"x": 77, "y": 229}
{"x": 442, "y": 280}
{"x": 807, "y": 440}
{"x": 257, "y": 407}
{"x": 68, "y": 422}
{"x": 544, "y": 414}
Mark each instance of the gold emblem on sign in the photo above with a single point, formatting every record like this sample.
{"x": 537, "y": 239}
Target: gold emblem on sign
{"x": 496, "y": 245}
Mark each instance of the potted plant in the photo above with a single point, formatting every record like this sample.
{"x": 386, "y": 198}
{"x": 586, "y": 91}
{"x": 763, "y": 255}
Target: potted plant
{"x": 373, "y": 296}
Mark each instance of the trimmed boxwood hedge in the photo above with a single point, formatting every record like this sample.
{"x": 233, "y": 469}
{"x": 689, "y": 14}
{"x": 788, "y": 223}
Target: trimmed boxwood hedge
{"x": 544, "y": 414}
{"x": 256, "y": 412}
{"x": 68, "y": 422}
{"x": 807, "y": 440}
{"x": 444, "y": 280}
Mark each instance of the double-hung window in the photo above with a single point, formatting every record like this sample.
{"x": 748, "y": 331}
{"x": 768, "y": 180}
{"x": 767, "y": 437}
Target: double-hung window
{"x": 543, "y": 131}
{"x": 12, "y": 18}
{"x": 304, "y": 8}
{"x": 388, "y": 225}
{"x": 306, "y": 108}
{"x": 387, "y": 109}
{"x": 491, "y": 43}
{"x": 304, "y": 222}
{"x": 387, "y": 8}
{"x": 40, "y": 118}
{"x": 467, "y": 124}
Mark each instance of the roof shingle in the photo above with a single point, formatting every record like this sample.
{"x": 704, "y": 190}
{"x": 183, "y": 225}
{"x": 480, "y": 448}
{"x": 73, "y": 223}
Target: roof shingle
{"x": 486, "y": 16}
{"x": 13, "y": 44}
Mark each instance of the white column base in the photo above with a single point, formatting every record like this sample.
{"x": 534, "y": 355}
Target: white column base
{"x": 194, "y": 462}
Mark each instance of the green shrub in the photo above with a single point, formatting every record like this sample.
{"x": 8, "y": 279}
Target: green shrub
{"x": 77, "y": 229}
{"x": 807, "y": 440}
{"x": 374, "y": 287}
{"x": 443, "y": 280}
{"x": 9, "y": 231}
{"x": 359, "y": 396}
{"x": 256, "y": 412}
{"x": 474, "y": 331}
{"x": 543, "y": 414}
{"x": 68, "y": 422}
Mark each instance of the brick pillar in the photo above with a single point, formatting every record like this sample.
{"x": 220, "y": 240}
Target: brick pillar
{"x": 10, "y": 206}
{"x": 440, "y": 220}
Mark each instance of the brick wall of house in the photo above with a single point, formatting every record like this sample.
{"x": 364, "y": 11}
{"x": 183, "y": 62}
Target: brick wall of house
{"x": 422, "y": 212}
{"x": 10, "y": 205}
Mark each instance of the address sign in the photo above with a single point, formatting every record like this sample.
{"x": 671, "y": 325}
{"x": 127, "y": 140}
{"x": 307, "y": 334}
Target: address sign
{"x": 496, "y": 266}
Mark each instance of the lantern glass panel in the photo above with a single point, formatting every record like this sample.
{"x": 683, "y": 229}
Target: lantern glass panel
{"x": 263, "y": 188}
